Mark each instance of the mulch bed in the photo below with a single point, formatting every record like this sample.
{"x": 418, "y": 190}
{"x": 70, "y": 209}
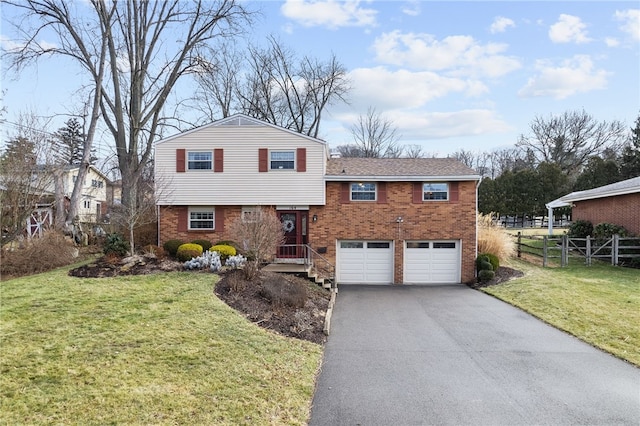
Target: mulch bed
{"x": 503, "y": 274}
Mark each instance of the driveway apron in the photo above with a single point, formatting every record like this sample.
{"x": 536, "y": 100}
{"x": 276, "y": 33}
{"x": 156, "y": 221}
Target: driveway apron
{"x": 450, "y": 355}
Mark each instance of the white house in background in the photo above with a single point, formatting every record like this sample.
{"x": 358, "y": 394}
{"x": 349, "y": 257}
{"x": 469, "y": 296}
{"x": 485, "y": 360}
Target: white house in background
{"x": 93, "y": 196}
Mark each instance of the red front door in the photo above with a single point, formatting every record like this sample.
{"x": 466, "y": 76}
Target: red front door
{"x": 294, "y": 224}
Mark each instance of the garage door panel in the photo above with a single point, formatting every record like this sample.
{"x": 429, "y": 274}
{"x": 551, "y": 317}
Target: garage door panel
{"x": 431, "y": 262}
{"x": 362, "y": 262}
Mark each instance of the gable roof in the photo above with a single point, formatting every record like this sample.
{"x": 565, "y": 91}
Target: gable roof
{"x": 624, "y": 187}
{"x": 72, "y": 167}
{"x": 241, "y": 120}
{"x": 396, "y": 169}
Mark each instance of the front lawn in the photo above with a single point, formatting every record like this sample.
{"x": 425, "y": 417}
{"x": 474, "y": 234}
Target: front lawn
{"x": 599, "y": 304}
{"x": 148, "y": 349}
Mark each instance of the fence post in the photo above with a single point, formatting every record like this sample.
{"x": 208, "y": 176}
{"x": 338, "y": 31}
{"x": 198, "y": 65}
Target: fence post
{"x": 519, "y": 242}
{"x": 565, "y": 251}
{"x": 544, "y": 251}
{"x": 588, "y": 251}
{"x": 614, "y": 249}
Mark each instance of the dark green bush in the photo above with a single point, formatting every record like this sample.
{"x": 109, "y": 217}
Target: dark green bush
{"x": 493, "y": 259}
{"x": 483, "y": 263}
{"x": 608, "y": 230}
{"x": 206, "y": 245}
{"x": 115, "y": 244}
{"x": 485, "y": 275}
{"x": 188, "y": 251}
{"x": 171, "y": 246}
{"x": 282, "y": 292}
{"x": 580, "y": 229}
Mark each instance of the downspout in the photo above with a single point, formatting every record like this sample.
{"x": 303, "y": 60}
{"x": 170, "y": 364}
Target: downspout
{"x": 476, "y": 251}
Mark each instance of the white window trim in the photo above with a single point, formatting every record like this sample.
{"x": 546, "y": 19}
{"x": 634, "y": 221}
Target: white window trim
{"x": 202, "y": 209}
{"x": 292, "y": 151}
{"x": 199, "y": 152}
{"x": 375, "y": 192}
{"x": 250, "y": 214}
{"x": 431, "y": 183}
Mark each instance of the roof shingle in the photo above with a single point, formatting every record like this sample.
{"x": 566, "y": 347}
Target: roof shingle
{"x": 395, "y": 167}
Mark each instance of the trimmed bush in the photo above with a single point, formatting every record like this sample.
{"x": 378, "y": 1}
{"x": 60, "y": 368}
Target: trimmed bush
{"x": 115, "y": 245}
{"x": 482, "y": 263}
{"x": 206, "y": 245}
{"x": 486, "y": 275}
{"x": 171, "y": 246}
{"x": 225, "y": 251}
{"x": 493, "y": 259}
{"x": 188, "y": 251}
{"x": 607, "y": 230}
{"x": 580, "y": 229}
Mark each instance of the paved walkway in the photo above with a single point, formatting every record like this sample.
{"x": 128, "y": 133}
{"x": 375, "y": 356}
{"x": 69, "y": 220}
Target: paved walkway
{"x": 449, "y": 355}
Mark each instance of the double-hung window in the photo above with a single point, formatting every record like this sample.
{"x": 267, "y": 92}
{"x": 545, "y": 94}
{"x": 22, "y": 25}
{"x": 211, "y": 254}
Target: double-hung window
{"x": 202, "y": 160}
{"x": 363, "y": 191}
{"x": 201, "y": 218}
{"x": 435, "y": 191}
{"x": 282, "y": 160}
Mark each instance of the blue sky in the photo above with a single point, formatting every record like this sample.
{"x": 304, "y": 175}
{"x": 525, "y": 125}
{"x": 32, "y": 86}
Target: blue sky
{"x": 449, "y": 75}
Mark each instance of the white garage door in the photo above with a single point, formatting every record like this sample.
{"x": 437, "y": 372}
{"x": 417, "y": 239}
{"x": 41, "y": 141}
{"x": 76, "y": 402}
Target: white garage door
{"x": 432, "y": 262}
{"x": 365, "y": 262}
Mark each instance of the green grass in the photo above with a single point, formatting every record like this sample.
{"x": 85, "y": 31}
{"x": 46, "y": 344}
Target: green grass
{"x": 599, "y": 304}
{"x": 154, "y": 349}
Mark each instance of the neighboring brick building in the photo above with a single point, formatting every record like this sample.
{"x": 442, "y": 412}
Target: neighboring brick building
{"x": 617, "y": 203}
{"x": 379, "y": 221}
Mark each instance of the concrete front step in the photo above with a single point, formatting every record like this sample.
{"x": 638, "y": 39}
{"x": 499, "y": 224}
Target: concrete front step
{"x": 293, "y": 268}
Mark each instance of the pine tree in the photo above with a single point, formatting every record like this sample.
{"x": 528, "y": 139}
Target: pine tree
{"x": 69, "y": 143}
{"x": 630, "y": 161}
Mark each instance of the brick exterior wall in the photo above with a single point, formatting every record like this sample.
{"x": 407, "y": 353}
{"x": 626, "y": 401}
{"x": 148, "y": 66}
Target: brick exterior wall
{"x": 373, "y": 221}
{"x": 623, "y": 210}
{"x": 429, "y": 220}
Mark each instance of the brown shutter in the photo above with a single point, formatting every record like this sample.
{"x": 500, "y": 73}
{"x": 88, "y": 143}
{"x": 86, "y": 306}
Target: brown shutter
{"x": 453, "y": 192}
{"x": 263, "y": 160}
{"x": 345, "y": 193}
{"x": 219, "y": 219}
{"x": 180, "y": 160}
{"x": 301, "y": 159}
{"x": 417, "y": 192}
{"x": 218, "y": 160}
{"x": 183, "y": 219}
{"x": 382, "y": 192}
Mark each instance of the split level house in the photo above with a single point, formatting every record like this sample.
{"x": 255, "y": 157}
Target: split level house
{"x": 375, "y": 221}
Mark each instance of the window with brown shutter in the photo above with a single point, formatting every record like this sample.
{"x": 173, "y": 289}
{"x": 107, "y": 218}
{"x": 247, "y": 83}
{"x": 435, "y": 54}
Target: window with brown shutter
{"x": 180, "y": 160}
{"x": 345, "y": 193}
{"x": 219, "y": 219}
{"x": 183, "y": 219}
{"x": 417, "y": 192}
{"x": 263, "y": 160}
{"x": 218, "y": 160}
{"x": 301, "y": 159}
{"x": 382, "y": 193}
{"x": 453, "y": 192}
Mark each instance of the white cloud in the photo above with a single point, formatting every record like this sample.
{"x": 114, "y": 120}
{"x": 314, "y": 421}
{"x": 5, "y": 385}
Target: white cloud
{"x": 329, "y": 13}
{"x": 611, "y": 42}
{"x": 573, "y": 76}
{"x": 500, "y": 24}
{"x": 9, "y": 45}
{"x": 458, "y": 55}
{"x": 630, "y": 22}
{"x": 568, "y": 29}
{"x": 412, "y": 8}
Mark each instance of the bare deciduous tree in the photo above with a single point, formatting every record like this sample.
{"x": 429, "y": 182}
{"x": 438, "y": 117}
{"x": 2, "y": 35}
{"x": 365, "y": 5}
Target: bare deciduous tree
{"x": 147, "y": 45}
{"x": 569, "y": 139}
{"x": 375, "y": 136}
{"x": 414, "y": 151}
{"x": 272, "y": 84}
{"x": 259, "y": 235}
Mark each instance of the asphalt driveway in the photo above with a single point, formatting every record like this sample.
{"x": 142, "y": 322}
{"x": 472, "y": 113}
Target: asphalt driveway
{"x": 450, "y": 355}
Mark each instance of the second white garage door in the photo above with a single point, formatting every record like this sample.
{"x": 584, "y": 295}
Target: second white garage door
{"x": 365, "y": 262}
{"x": 432, "y": 262}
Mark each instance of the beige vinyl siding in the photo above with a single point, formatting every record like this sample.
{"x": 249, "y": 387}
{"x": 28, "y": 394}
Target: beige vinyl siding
{"x": 240, "y": 183}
